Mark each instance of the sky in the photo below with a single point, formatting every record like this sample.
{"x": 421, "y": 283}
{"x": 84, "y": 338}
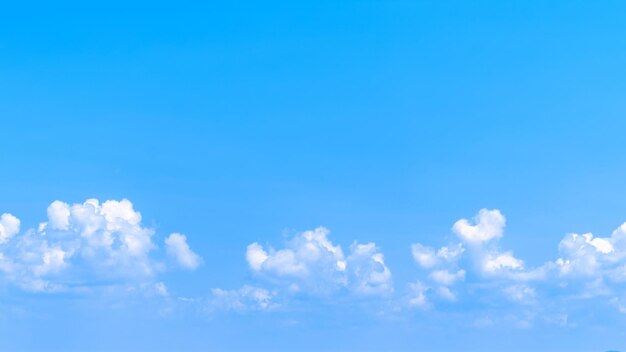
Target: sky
{"x": 306, "y": 176}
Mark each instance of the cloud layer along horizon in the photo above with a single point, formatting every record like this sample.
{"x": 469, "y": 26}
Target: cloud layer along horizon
{"x": 476, "y": 269}
{"x": 80, "y": 245}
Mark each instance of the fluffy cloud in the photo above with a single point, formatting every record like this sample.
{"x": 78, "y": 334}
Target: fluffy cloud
{"x": 310, "y": 263}
{"x": 256, "y": 256}
{"x": 498, "y": 262}
{"x": 598, "y": 262}
{"x": 587, "y": 267}
{"x": 9, "y": 227}
{"x": 367, "y": 272}
{"x": 478, "y": 252}
{"x": 178, "y": 248}
{"x": 424, "y": 256}
{"x": 585, "y": 255}
{"x": 488, "y": 224}
{"x": 59, "y": 215}
{"x": 83, "y": 242}
{"x": 109, "y": 235}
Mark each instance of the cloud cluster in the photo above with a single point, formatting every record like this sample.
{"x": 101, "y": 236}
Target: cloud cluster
{"x": 477, "y": 252}
{"x": 310, "y": 263}
{"x": 82, "y": 243}
{"x": 587, "y": 267}
{"x": 472, "y": 271}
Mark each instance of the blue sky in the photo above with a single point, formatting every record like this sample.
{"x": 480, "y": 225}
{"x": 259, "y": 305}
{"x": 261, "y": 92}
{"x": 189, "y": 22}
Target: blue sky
{"x": 289, "y": 176}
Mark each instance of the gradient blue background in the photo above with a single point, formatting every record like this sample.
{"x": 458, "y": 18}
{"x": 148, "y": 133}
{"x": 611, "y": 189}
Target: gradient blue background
{"x": 385, "y": 121}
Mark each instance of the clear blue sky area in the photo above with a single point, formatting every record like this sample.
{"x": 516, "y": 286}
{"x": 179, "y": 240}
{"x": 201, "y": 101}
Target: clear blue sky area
{"x": 245, "y": 126}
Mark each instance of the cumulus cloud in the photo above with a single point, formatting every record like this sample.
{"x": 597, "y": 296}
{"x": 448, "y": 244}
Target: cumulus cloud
{"x": 488, "y": 225}
{"x": 585, "y": 254}
{"x": 83, "y": 242}
{"x": 256, "y": 256}
{"x": 9, "y": 227}
{"x": 595, "y": 266}
{"x": 477, "y": 251}
{"x": 498, "y": 262}
{"x": 310, "y": 263}
{"x": 587, "y": 267}
{"x": 178, "y": 248}
{"x": 367, "y": 272}
{"x": 59, "y": 215}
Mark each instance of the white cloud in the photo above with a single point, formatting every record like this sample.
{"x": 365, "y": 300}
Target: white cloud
{"x": 488, "y": 224}
{"x": 307, "y": 254}
{"x": 256, "y": 256}
{"x": 424, "y": 256}
{"x": 495, "y": 263}
{"x": 59, "y": 215}
{"x": 9, "y": 227}
{"x": 451, "y": 254}
{"x": 587, "y": 266}
{"x": 112, "y": 229}
{"x": 178, "y": 248}
{"x": 587, "y": 256}
{"x": 417, "y": 295}
{"x": 448, "y": 265}
{"x": 367, "y": 272}
{"x": 446, "y": 278}
{"x": 52, "y": 261}
{"x": 81, "y": 243}
{"x": 310, "y": 263}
